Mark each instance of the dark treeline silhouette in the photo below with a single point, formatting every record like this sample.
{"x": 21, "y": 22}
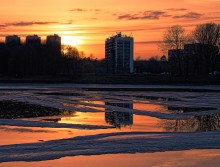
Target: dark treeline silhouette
{"x": 30, "y": 60}
{"x": 195, "y": 54}
{"x": 75, "y": 62}
{"x": 154, "y": 65}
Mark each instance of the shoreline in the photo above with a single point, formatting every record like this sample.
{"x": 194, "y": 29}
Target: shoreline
{"x": 137, "y": 79}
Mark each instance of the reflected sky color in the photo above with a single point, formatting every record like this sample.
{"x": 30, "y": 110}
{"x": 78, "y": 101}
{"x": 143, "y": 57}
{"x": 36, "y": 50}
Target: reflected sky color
{"x": 150, "y": 107}
{"x": 87, "y": 25}
{"x": 28, "y": 135}
{"x": 195, "y": 158}
{"x": 127, "y": 111}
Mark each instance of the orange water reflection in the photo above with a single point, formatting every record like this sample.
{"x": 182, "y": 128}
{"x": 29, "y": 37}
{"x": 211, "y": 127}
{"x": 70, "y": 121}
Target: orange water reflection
{"x": 139, "y": 123}
{"x": 88, "y": 118}
{"x": 150, "y": 107}
{"x": 123, "y": 122}
{"x": 195, "y": 158}
{"x": 29, "y": 134}
{"x": 17, "y": 135}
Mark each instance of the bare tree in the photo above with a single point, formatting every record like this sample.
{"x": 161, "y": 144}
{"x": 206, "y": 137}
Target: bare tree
{"x": 173, "y": 39}
{"x": 209, "y": 34}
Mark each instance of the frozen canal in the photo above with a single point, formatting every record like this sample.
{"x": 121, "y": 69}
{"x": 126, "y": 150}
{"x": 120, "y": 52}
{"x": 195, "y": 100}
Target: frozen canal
{"x": 117, "y": 125}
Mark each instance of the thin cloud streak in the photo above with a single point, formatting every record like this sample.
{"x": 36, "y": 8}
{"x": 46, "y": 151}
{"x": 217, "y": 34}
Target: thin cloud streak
{"x": 177, "y": 9}
{"x": 23, "y": 24}
{"x": 156, "y": 15}
{"x": 85, "y": 10}
{"x": 146, "y": 15}
{"x": 191, "y": 15}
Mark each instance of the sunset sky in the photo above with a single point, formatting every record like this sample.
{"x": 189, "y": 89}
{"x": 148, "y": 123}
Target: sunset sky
{"x": 87, "y": 23}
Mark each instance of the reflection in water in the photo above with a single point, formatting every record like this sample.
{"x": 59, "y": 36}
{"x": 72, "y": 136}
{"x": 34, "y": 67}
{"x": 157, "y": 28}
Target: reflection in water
{"x": 195, "y": 158}
{"x": 119, "y": 119}
{"x": 157, "y": 98}
{"x": 189, "y": 109}
{"x": 62, "y": 93}
{"x": 150, "y": 107}
{"x": 194, "y": 124}
{"x": 52, "y": 120}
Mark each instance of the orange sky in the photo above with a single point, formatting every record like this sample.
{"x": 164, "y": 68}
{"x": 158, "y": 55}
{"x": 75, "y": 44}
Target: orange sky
{"x": 87, "y": 23}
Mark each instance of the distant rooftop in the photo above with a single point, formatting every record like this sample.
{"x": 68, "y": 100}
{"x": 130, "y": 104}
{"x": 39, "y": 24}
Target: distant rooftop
{"x": 120, "y": 35}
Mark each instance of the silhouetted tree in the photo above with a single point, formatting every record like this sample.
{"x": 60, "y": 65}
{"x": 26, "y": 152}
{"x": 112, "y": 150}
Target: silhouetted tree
{"x": 208, "y": 34}
{"x": 72, "y": 58}
{"x": 173, "y": 39}
{"x": 193, "y": 124}
{"x": 154, "y": 65}
{"x": 163, "y": 58}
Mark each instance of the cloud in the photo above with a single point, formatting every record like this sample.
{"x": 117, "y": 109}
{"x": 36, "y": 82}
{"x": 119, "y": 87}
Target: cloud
{"x": 125, "y": 16}
{"x": 176, "y": 9}
{"x": 23, "y": 23}
{"x": 146, "y": 15}
{"x": 97, "y": 10}
{"x": 190, "y": 15}
{"x": 69, "y": 22}
{"x": 148, "y": 42}
{"x": 85, "y": 10}
{"x": 78, "y": 10}
{"x": 92, "y": 18}
{"x": 30, "y": 23}
{"x": 158, "y": 14}
{"x": 2, "y": 26}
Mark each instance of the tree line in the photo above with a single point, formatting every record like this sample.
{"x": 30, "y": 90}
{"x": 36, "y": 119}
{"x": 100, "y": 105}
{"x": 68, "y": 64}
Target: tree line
{"x": 28, "y": 61}
{"x": 202, "y": 56}
{"x": 40, "y": 60}
{"x": 193, "y": 54}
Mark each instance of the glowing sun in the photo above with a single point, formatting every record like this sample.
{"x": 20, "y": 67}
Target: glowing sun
{"x": 71, "y": 40}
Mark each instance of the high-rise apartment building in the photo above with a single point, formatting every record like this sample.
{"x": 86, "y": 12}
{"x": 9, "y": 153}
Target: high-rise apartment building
{"x": 12, "y": 40}
{"x": 119, "y": 53}
{"x": 53, "y": 43}
{"x": 33, "y": 40}
{"x": 53, "y": 40}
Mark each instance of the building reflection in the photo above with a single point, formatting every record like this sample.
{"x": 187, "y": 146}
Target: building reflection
{"x": 119, "y": 119}
{"x": 194, "y": 124}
